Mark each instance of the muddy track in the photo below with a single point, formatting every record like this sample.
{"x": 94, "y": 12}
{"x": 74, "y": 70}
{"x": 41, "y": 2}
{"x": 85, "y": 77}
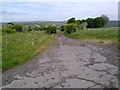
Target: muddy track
{"x": 68, "y": 64}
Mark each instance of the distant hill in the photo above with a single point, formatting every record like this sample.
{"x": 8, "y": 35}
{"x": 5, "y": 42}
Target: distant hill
{"x": 110, "y": 23}
{"x": 113, "y": 23}
{"x": 40, "y": 22}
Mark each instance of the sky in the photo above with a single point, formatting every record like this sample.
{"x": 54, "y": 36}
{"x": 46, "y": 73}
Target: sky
{"x": 57, "y": 10}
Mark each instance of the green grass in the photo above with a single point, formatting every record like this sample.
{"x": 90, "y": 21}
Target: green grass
{"x": 0, "y": 50}
{"x": 22, "y": 47}
{"x": 101, "y": 35}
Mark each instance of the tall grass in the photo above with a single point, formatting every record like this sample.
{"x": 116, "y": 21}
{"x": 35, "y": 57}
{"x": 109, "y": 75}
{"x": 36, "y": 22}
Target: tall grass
{"x": 18, "y": 48}
{"x": 105, "y": 34}
{"x": 0, "y": 49}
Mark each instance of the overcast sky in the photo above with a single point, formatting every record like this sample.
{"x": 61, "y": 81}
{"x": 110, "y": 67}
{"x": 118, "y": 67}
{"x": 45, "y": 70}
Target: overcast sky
{"x": 57, "y": 11}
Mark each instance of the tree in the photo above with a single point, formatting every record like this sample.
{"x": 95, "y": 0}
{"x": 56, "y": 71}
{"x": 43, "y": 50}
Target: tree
{"x": 18, "y": 27}
{"x": 106, "y": 18}
{"x": 90, "y": 22}
{"x": 99, "y": 22}
{"x": 83, "y": 20}
{"x": 10, "y": 23}
{"x": 72, "y": 20}
{"x": 78, "y": 22}
{"x": 8, "y": 26}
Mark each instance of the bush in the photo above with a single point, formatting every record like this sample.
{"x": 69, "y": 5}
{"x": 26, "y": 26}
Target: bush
{"x": 83, "y": 25}
{"x": 8, "y": 26}
{"x": 36, "y": 27}
{"x": 8, "y": 30}
{"x": 27, "y": 28}
{"x": 62, "y": 28}
{"x": 51, "y": 29}
{"x": 43, "y": 27}
{"x": 18, "y": 27}
{"x": 70, "y": 28}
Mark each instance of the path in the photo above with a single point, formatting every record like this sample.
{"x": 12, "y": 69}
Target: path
{"x": 71, "y": 64}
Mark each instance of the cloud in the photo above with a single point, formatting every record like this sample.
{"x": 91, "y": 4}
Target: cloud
{"x": 58, "y": 10}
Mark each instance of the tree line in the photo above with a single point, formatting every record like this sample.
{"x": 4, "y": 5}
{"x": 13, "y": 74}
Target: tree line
{"x": 71, "y": 26}
{"x": 97, "y": 22}
{"x": 11, "y": 28}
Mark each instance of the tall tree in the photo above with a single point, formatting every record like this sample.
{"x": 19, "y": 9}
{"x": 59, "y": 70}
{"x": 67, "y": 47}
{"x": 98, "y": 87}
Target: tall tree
{"x": 99, "y": 22}
{"x": 83, "y": 20}
{"x": 71, "y": 20}
{"x": 90, "y": 22}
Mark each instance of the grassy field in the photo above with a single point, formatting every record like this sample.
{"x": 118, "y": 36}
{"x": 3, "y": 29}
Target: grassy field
{"x": 18, "y": 48}
{"x": 102, "y": 35}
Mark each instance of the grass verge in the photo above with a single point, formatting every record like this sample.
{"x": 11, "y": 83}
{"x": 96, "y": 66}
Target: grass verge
{"x": 0, "y": 49}
{"x": 18, "y": 48}
{"x": 102, "y": 35}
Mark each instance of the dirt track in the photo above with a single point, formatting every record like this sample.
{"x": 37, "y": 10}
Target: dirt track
{"x": 70, "y": 64}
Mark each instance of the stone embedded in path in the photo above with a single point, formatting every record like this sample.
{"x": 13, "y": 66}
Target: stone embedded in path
{"x": 99, "y": 66}
{"x": 24, "y": 83}
{"x": 44, "y": 60}
{"x": 76, "y": 83}
{"x": 74, "y": 68}
{"x": 99, "y": 58}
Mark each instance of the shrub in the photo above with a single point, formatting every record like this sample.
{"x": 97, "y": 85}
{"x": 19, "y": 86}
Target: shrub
{"x": 18, "y": 27}
{"x": 8, "y": 30}
{"x": 83, "y": 25}
{"x": 36, "y": 27}
{"x": 70, "y": 28}
{"x": 51, "y": 29}
{"x": 43, "y": 27}
{"x": 27, "y": 28}
{"x": 8, "y": 26}
{"x": 24, "y": 29}
{"x": 62, "y": 28}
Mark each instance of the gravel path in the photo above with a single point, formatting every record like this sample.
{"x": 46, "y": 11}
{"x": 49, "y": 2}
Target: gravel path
{"x": 70, "y": 64}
